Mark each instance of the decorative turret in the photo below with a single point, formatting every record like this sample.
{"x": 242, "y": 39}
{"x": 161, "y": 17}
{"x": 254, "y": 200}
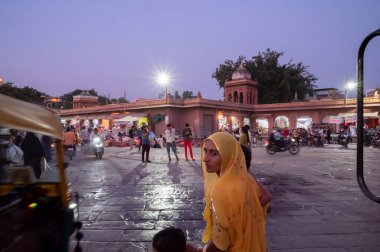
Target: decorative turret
{"x": 84, "y": 99}
{"x": 241, "y": 89}
{"x": 241, "y": 73}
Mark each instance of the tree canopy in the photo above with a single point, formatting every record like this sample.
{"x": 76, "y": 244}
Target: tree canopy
{"x": 276, "y": 82}
{"x": 27, "y": 94}
{"x": 187, "y": 94}
{"x": 119, "y": 100}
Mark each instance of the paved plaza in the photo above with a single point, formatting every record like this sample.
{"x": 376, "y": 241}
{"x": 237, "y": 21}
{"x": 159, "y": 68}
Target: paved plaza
{"x": 317, "y": 204}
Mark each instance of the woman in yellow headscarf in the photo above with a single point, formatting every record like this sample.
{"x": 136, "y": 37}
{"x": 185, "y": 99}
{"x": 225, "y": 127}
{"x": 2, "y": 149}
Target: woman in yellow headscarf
{"x": 235, "y": 218}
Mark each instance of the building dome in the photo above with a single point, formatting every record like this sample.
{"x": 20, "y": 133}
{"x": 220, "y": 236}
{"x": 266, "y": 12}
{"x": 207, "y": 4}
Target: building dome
{"x": 241, "y": 73}
{"x": 86, "y": 93}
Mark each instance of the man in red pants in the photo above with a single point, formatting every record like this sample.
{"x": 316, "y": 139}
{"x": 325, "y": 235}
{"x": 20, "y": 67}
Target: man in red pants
{"x": 187, "y": 137}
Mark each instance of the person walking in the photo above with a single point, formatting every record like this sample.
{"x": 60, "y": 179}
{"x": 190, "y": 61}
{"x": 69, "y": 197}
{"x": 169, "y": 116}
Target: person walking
{"x": 131, "y": 135}
{"x": 244, "y": 138}
{"x": 139, "y": 136}
{"x": 187, "y": 138}
{"x": 46, "y": 142}
{"x": 33, "y": 152}
{"x": 145, "y": 144}
{"x": 170, "y": 141}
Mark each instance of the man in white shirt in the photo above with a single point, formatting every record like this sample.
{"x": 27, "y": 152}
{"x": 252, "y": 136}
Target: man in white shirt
{"x": 170, "y": 141}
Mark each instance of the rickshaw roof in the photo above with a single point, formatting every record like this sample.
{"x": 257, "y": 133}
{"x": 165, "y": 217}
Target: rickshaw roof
{"x": 20, "y": 115}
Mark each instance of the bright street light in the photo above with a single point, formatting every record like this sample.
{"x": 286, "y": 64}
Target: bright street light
{"x": 350, "y": 85}
{"x": 164, "y": 78}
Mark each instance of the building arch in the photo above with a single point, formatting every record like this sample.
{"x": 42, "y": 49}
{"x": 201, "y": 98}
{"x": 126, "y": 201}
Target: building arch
{"x": 241, "y": 97}
{"x": 236, "y": 97}
{"x": 263, "y": 125}
{"x": 304, "y": 122}
{"x": 281, "y": 122}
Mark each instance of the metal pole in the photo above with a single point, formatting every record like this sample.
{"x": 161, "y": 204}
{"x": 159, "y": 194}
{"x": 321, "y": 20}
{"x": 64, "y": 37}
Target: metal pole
{"x": 360, "y": 119}
{"x": 345, "y": 97}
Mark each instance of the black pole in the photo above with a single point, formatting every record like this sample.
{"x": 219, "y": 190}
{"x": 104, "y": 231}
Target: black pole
{"x": 360, "y": 119}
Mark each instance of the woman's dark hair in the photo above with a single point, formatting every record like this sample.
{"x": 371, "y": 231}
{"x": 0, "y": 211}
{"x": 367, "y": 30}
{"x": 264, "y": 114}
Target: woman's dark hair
{"x": 245, "y": 131}
{"x": 170, "y": 239}
{"x": 247, "y": 155}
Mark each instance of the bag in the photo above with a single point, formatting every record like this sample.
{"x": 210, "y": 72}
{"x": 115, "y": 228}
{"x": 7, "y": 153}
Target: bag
{"x": 44, "y": 165}
{"x": 15, "y": 154}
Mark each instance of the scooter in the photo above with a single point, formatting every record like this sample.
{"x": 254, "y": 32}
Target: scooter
{"x": 97, "y": 147}
{"x": 343, "y": 141}
{"x": 290, "y": 146}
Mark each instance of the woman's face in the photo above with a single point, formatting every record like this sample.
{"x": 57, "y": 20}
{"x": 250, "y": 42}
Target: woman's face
{"x": 212, "y": 158}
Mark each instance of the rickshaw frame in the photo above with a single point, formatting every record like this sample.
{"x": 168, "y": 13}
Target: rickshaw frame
{"x": 24, "y": 116}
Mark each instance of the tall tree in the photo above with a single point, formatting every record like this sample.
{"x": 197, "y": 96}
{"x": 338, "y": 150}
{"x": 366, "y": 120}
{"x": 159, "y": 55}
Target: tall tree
{"x": 27, "y": 94}
{"x": 176, "y": 95}
{"x": 119, "y": 100}
{"x": 187, "y": 94}
{"x": 276, "y": 82}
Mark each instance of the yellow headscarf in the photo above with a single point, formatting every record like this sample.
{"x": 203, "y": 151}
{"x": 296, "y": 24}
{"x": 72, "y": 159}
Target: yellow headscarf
{"x": 232, "y": 200}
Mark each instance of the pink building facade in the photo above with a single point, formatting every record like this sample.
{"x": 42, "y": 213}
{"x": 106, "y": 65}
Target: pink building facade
{"x": 240, "y": 107}
{"x": 207, "y": 116}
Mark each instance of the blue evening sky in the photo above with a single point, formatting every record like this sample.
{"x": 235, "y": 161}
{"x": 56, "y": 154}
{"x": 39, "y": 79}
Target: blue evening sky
{"x": 117, "y": 46}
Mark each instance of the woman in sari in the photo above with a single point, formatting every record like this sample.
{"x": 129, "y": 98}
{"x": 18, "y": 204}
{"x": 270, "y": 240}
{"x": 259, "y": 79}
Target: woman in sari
{"x": 234, "y": 215}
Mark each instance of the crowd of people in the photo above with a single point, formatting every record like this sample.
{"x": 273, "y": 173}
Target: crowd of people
{"x": 23, "y": 148}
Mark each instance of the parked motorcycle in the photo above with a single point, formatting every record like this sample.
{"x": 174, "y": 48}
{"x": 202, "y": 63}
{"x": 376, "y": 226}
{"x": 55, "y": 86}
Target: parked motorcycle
{"x": 97, "y": 147}
{"x": 375, "y": 140}
{"x": 289, "y": 145}
{"x": 343, "y": 141}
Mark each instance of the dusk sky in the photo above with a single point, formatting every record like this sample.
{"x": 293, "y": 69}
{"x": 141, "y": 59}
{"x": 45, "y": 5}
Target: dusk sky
{"x": 117, "y": 46}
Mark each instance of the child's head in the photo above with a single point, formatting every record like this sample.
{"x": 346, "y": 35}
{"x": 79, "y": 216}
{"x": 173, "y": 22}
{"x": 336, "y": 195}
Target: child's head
{"x": 170, "y": 239}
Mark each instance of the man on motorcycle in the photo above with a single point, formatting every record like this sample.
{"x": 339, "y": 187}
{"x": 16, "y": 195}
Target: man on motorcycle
{"x": 96, "y": 142}
{"x": 276, "y": 137}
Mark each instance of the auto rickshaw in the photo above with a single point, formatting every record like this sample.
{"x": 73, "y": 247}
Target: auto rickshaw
{"x": 36, "y": 214}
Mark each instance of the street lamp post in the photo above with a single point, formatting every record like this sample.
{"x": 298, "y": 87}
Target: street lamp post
{"x": 350, "y": 85}
{"x": 163, "y": 78}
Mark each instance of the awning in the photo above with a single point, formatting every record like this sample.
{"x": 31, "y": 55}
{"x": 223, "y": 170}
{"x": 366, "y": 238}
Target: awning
{"x": 333, "y": 119}
{"x": 352, "y": 117}
{"x": 127, "y": 119}
{"x": 365, "y": 115}
{"x": 130, "y": 118}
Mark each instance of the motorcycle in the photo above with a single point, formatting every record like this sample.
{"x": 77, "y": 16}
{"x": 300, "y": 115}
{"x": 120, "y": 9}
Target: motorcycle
{"x": 290, "y": 145}
{"x": 374, "y": 141}
{"x": 98, "y": 147}
{"x": 343, "y": 141}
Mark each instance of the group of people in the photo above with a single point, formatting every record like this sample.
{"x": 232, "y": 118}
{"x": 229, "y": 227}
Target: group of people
{"x": 147, "y": 139}
{"x": 23, "y": 148}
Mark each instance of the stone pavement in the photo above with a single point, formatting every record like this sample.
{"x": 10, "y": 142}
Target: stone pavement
{"x": 317, "y": 204}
